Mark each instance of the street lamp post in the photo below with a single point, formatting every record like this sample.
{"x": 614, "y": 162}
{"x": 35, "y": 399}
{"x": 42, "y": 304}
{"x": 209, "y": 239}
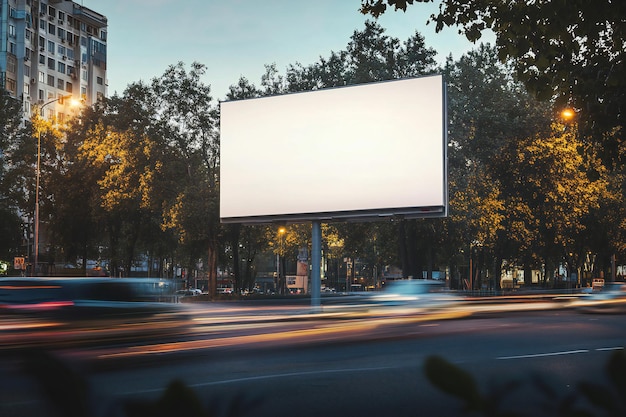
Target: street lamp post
{"x": 281, "y": 261}
{"x": 37, "y": 177}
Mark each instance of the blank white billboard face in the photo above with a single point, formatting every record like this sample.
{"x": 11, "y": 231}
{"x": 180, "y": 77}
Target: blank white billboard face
{"x": 368, "y": 150}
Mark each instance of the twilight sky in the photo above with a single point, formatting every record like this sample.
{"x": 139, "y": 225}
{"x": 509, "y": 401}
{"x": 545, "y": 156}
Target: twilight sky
{"x": 235, "y": 38}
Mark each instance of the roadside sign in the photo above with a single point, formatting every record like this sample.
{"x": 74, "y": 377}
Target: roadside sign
{"x": 18, "y": 263}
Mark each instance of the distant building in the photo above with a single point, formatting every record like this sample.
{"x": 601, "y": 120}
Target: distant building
{"x": 51, "y": 49}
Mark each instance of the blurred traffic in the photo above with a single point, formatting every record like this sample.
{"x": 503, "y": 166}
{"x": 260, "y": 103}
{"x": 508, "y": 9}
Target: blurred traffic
{"x": 85, "y": 313}
{"x": 608, "y": 298}
{"x": 425, "y": 293}
{"x": 50, "y": 312}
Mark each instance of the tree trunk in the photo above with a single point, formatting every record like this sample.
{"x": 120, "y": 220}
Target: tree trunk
{"x": 212, "y": 268}
{"x": 402, "y": 249}
{"x": 497, "y": 272}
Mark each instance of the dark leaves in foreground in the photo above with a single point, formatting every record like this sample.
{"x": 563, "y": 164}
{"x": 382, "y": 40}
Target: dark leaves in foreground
{"x": 587, "y": 400}
{"x": 68, "y": 394}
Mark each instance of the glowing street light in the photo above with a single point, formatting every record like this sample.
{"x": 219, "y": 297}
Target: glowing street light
{"x": 568, "y": 114}
{"x": 279, "y": 261}
{"x": 60, "y": 99}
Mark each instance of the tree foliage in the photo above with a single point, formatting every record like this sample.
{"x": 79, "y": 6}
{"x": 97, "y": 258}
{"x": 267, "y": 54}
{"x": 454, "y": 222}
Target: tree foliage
{"x": 144, "y": 166}
{"x": 549, "y": 194}
{"x": 572, "y": 52}
{"x": 12, "y": 197}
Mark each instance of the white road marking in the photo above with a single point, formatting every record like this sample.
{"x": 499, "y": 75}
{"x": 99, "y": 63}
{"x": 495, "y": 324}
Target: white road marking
{"x": 262, "y": 377}
{"x": 539, "y": 355}
{"x": 565, "y": 352}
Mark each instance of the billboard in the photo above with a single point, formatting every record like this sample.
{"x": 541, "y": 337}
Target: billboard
{"x": 349, "y": 153}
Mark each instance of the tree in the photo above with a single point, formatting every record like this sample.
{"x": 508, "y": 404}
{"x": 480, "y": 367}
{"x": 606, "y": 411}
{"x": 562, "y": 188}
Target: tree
{"x": 487, "y": 110}
{"x": 187, "y": 120}
{"x": 12, "y": 197}
{"x": 150, "y": 159}
{"x": 571, "y": 52}
{"x": 548, "y": 192}
{"x": 122, "y": 159}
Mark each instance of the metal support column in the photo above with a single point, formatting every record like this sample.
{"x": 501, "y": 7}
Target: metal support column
{"x": 316, "y": 265}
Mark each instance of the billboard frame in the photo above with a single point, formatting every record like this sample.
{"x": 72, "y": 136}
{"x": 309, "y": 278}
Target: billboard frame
{"x": 354, "y": 214}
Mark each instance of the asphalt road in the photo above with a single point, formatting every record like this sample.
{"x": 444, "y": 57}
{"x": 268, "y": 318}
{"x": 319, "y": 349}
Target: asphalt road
{"x": 344, "y": 362}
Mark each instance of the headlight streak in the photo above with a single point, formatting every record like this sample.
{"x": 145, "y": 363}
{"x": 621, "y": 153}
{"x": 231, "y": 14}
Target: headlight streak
{"x": 219, "y": 326}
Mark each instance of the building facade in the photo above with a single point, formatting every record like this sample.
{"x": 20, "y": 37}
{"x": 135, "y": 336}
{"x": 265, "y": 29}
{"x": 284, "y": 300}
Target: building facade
{"x": 51, "y": 49}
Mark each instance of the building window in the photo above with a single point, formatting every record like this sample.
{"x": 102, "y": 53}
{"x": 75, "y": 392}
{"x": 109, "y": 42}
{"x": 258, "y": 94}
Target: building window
{"x": 68, "y": 87}
{"x": 51, "y": 47}
{"x": 51, "y": 80}
{"x": 61, "y": 67}
{"x": 51, "y": 63}
{"x": 42, "y": 59}
{"x": 11, "y": 64}
{"x": 42, "y": 24}
{"x": 61, "y": 33}
{"x": 83, "y": 91}
{"x": 27, "y": 89}
{"x": 12, "y": 48}
{"x": 60, "y": 84}
{"x": 52, "y": 11}
{"x": 61, "y": 15}
{"x": 52, "y": 29}
{"x": 42, "y": 77}
{"x": 27, "y": 71}
{"x": 99, "y": 80}
{"x": 12, "y": 31}
{"x": 40, "y": 95}
{"x": 11, "y": 85}
{"x": 28, "y": 35}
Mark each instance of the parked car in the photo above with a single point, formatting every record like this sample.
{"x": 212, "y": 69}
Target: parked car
{"x": 224, "y": 290}
{"x": 189, "y": 292}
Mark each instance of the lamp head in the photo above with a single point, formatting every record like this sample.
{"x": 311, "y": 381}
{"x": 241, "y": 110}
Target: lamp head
{"x": 568, "y": 114}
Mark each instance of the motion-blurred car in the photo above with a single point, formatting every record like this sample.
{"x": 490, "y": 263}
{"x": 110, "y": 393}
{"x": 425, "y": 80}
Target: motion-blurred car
{"x": 418, "y": 292}
{"x": 84, "y": 298}
{"x": 610, "y": 299}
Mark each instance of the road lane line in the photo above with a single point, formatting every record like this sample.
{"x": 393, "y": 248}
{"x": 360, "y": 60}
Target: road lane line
{"x": 291, "y": 374}
{"x": 260, "y": 377}
{"x": 610, "y": 348}
{"x": 539, "y": 355}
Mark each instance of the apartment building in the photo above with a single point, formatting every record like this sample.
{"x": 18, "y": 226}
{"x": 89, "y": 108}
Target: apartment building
{"x": 51, "y": 49}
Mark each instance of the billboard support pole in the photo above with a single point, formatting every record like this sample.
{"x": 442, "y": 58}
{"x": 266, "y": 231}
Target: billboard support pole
{"x": 316, "y": 264}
